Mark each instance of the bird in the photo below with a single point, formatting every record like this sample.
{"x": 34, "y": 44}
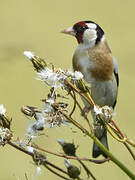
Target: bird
{"x": 94, "y": 59}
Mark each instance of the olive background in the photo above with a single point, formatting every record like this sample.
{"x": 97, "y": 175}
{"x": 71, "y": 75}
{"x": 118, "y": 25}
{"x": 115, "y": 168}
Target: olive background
{"x": 35, "y": 26}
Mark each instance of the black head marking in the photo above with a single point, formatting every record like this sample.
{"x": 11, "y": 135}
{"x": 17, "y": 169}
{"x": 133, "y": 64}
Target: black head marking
{"x": 100, "y": 33}
{"x": 90, "y": 22}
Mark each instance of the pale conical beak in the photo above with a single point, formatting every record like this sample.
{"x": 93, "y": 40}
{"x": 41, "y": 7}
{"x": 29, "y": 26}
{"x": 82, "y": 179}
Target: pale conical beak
{"x": 69, "y": 31}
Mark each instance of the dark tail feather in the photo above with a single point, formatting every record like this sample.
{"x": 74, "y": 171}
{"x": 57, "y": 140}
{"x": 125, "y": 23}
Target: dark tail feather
{"x": 96, "y": 149}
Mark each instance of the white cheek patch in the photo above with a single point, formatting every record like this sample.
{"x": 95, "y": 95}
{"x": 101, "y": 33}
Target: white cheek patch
{"x": 90, "y": 35}
{"x": 91, "y": 25}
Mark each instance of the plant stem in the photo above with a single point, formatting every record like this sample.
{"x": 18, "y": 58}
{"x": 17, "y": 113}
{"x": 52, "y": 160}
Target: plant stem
{"x": 99, "y": 161}
{"x": 108, "y": 153}
{"x": 112, "y": 157}
{"x": 46, "y": 162}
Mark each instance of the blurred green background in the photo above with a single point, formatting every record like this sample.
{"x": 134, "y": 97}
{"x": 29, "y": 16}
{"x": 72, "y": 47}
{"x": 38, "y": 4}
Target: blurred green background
{"x": 35, "y": 25}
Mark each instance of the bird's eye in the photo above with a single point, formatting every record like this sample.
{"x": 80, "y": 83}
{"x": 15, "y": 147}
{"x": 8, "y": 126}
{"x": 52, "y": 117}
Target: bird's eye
{"x": 81, "y": 29}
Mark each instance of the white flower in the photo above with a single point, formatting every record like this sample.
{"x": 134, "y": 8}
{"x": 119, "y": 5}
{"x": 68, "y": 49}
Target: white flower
{"x": 48, "y": 76}
{"x": 47, "y": 108}
{"x": 105, "y": 113}
{"x": 29, "y": 54}
{"x": 31, "y": 131}
{"x": 41, "y": 121}
{"x": 108, "y": 113}
{"x": 70, "y": 73}
{"x": 52, "y": 78}
{"x": 2, "y": 110}
{"x": 97, "y": 110}
{"x": 78, "y": 75}
{"x": 50, "y": 101}
{"x": 45, "y": 74}
{"x": 5, "y": 134}
{"x": 30, "y": 149}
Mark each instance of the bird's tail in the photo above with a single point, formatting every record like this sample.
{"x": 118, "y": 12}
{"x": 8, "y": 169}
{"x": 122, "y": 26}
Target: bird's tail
{"x": 96, "y": 149}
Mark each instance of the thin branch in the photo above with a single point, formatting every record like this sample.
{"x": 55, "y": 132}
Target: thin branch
{"x": 79, "y": 92}
{"x": 89, "y": 173}
{"x": 85, "y": 117}
{"x": 54, "y": 172}
{"x": 75, "y": 123}
{"x": 20, "y": 148}
{"x": 125, "y": 143}
{"x": 74, "y": 107}
{"x": 81, "y": 109}
{"x": 118, "y": 129}
{"x": 130, "y": 142}
{"x": 55, "y": 167}
{"x": 32, "y": 155}
{"x": 130, "y": 151}
{"x": 71, "y": 157}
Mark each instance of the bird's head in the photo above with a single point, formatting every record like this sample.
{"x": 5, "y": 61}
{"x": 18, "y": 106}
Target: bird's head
{"x": 87, "y": 32}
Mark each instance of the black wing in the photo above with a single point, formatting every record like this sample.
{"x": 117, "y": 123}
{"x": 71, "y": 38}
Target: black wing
{"x": 116, "y": 77}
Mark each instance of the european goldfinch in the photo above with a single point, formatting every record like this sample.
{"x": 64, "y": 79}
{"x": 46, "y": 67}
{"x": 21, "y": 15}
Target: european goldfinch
{"x": 94, "y": 59}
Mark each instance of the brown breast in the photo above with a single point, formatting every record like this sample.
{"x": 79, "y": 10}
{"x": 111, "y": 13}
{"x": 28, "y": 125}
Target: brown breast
{"x": 101, "y": 58}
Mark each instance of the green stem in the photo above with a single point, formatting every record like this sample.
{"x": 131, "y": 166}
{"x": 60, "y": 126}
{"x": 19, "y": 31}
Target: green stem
{"x": 108, "y": 153}
{"x": 112, "y": 157}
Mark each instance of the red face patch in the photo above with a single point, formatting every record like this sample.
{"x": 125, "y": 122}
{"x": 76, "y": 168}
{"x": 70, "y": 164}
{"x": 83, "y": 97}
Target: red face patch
{"x": 79, "y": 29}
